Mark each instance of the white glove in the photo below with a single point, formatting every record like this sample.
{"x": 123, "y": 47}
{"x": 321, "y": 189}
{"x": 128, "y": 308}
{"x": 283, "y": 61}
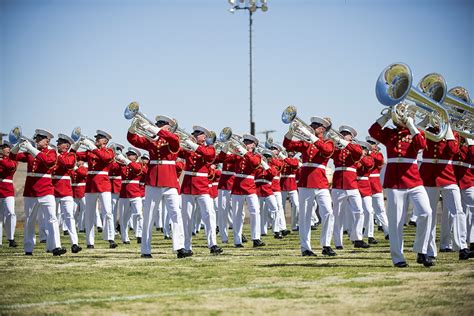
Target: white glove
{"x": 149, "y": 127}
{"x": 76, "y": 145}
{"x": 242, "y": 151}
{"x": 281, "y": 155}
{"x": 89, "y": 144}
{"x": 121, "y": 158}
{"x": 192, "y": 145}
{"x": 32, "y": 150}
{"x": 289, "y": 135}
{"x": 384, "y": 119}
{"x": 313, "y": 138}
{"x": 342, "y": 143}
{"x": 469, "y": 141}
{"x": 411, "y": 126}
{"x": 264, "y": 165}
{"x": 16, "y": 148}
{"x": 449, "y": 134}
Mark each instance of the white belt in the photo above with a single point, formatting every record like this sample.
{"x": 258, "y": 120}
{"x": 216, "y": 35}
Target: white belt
{"x": 263, "y": 181}
{"x": 374, "y": 175}
{"x": 245, "y": 176}
{"x": 162, "y": 162}
{"x": 402, "y": 160}
{"x": 228, "y": 173}
{"x": 437, "y": 161}
{"x": 6, "y": 180}
{"x": 38, "y": 175}
{"x": 313, "y": 165}
{"x": 115, "y": 177}
{"x": 362, "y": 178}
{"x": 209, "y": 185}
{"x": 62, "y": 177}
{"x": 463, "y": 164}
{"x": 82, "y": 184}
{"x": 276, "y": 178}
{"x": 288, "y": 176}
{"x": 142, "y": 183}
{"x": 130, "y": 181}
{"x": 195, "y": 174}
{"x": 215, "y": 183}
{"x": 345, "y": 169}
{"x": 97, "y": 172}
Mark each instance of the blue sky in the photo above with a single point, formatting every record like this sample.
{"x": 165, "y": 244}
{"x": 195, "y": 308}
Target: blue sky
{"x": 79, "y": 63}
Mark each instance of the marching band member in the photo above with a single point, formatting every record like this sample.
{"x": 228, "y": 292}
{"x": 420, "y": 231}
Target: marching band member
{"x": 289, "y": 188}
{"x": 376, "y": 186}
{"x": 438, "y": 176}
{"x": 345, "y": 189}
{"x": 61, "y": 175}
{"x": 115, "y": 178}
{"x": 214, "y": 177}
{"x": 78, "y": 180}
{"x": 402, "y": 181}
{"x": 161, "y": 181}
{"x": 313, "y": 184}
{"x": 195, "y": 188}
{"x": 7, "y": 195}
{"x": 39, "y": 192}
{"x": 130, "y": 201}
{"x": 144, "y": 160}
{"x": 98, "y": 186}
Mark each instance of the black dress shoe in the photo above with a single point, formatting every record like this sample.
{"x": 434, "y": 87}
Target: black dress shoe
{"x": 59, "y": 251}
{"x": 465, "y": 254}
{"x": 295, "y": 229}
{"x": 446, "y": 250}
{"x": 117, "y": 228}
{"x": 308, "y": 253}
{"x": 314, "y": 227}
{"x": 373, "y": 241}
{"x": 277, "y": 235}
{"x": 112, "y": 244}
{"x": 285, "y": 232}
{"x": 425, "y": 260}
{"x": 238, "y": 246}
{"x": 82, "y": 231}
{"x": 402, "y": 264}
{"x": 12, "y": 243}
{"x": 75, "y": 248}
{"x": 99, "y": 229}
{"x": 126, "y": 242}
{"x": 43, "y": 241}
{"x": 139, "y": 240}
{"x": 380, "y": 229}
{"x": 66, "y": 233}
{"x": 183, "y": 253}
{"x": 27, "y": 253}
{"x": 387, "y": 237}
{"x": 215, "y": 250}
{"x": 244, "y": 239}
{"x": 167, "y": 237}
{"x": 361, "y": 244}
{"x": 90, "y": 247}
{"x": 225, "y": 241}
{"x": 258, "y": 243}
{"x": 146, "y": 255}
{"x": 412, "y": 223}
{"x": 194, "y": 234}
{"x": 339, "y": 247}
{"x": 217, "y": 230}
{"x": 327, "y": 251}
{"x": 263, "y": 234}
{"x": 471, "y": 246}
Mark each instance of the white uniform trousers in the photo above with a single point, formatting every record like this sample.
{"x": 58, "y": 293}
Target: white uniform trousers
{"x": 79, "y": 210}
{"x": 295, "y": 205}
{"x": 467, "y": 196}
{"x": 91, "y": 216}
{"x": 65, "y": 207}
{"x": 153, "y": 196}
{"x": 347, "y": 217}
{"x": 238, "y": 216}
{"x": 396, "y": 211}
{"x": 368, "y": 216}
{"x": 268, "y": 213}
{"x": 224, "y": 208}
{"x": 127, "y": 207}
{"x": 314, "y": 214}
{"x": 379, "y": 211}
{"x": 7, "y": 216}
{"x": 451, "y": 205}
{"x": 280, "y": 219}
{"x": 215, "y": 205}
{"x": 198, "y": 203}
{"x": 158, "y": 218}
{"x": 307, "y": 198}
{"x": 115, "y": 208}
{"x": 354, "y": 203}
{"x": 196, "y": 219}
{"x": 47, "y": 206}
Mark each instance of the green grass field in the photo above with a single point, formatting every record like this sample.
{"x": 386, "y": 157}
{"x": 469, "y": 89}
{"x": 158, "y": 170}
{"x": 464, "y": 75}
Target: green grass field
{"x": 274, "y": 279}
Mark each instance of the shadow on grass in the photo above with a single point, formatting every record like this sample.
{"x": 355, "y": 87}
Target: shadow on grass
{"x": 322, "y": 265}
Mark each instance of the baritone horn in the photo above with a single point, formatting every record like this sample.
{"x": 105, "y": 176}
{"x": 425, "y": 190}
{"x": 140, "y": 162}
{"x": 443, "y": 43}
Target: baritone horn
{"x": 16, "y": 136}
{"x": 297, "y": 126}
{"x": 183, "y": 135}
{"x": 394, "y": 88}
{"x": 76, "y": 135}
{"x": 234, "y": 141}
{"x": 132, "y": 112}
{"x": 461, "y": 111}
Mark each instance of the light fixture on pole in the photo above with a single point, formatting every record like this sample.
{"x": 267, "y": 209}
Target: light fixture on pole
{"x": 252, "y": 7}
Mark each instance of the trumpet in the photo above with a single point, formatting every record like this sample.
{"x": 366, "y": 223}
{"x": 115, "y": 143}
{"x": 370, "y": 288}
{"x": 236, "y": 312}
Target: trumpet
{"x": 16, "y": 136}
{"x": 461, "y": 111}
{"x": 297, "y": 126}
{"x": 394, "y": 88}
{"x": 234, "y": 141}
{"x": 132, "y": 112}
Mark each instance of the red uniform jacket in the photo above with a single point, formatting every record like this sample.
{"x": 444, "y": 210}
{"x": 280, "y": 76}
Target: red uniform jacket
{"x": 345, "y": 172}
{"x": 278, "y": 165}
{"x": 374, "y": 176}
{"x": 143, "y": 179}
{"x": 163, "y": 153}
{"x": 402, "y": 149}
{"x": 214, "y": 177}
{"x": 463, "y": 167}
{"x": 7, "y": 170}
{"x": 115, "y": 177}
{"x": 38, "y": 179}
{"x": 263, "y": 181}
{"x": 288, "y": 174}
{"x": 78, "y": 179}
{"x": 62, "y": 174}
{"x": 131, "y": 176}
{"x": 364, "y": 168}
{"x": 436, "y": 169}
{"x": 315, "y": 158}
{"x": 196, "y": 172}
{"x": 244, "y": 168}
{"x": 227, "y": 176}
{"x": 98, "y": 161}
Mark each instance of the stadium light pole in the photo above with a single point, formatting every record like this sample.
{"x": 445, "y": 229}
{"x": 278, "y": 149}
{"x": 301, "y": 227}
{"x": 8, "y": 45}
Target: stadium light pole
{"x": 252, "y": 7}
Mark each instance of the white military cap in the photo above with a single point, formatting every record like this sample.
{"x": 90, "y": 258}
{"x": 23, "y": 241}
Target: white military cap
{"x": 101, "y": 133}
{"x": 347, "y": 128}
{"x": 133, "y": 151}
{"x": 267, "y": 152}
{"x": 372, "y": 140}
{"x": 320, "y": 120}
{"x": 276, "y": 146}
{"x": 116, "y": 146}
{"x": 146, "y": 156}
{"x": 43, "y": 132}
{"x": 250, "y": 138}
{"x": 201, "y": 129}
{"x": 66, "y": 138}
{"x": 164, "y": 118}
{"x": 365, "y": 145}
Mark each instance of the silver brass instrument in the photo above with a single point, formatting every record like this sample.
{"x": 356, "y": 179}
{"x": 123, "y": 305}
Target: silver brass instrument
{"x": 289, "y": 116}
{"x": 116, "y": 147}
{"x": 211, "y": 139}
{"x": 132, "y": 112}
{"x": 269, "y": 144}
{"x": 226, "y": 136}
{"x": 76, "y": 135}
{"x": 461, "y": 111}
{"x": 16, "y": 136}
{"x": 183, "y": 135}
{"x": 394, "y": 88}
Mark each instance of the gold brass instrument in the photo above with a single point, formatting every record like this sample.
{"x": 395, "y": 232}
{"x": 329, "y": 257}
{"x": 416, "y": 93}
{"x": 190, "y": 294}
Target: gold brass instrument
{"x": 234, "y": 141}
{"x": 297, "y": 125}
{"x": 461, "y": 111}
{"x": 16, "y": 136}
{"x": 132, "y": 112}
{"x": 394, "y": 88}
